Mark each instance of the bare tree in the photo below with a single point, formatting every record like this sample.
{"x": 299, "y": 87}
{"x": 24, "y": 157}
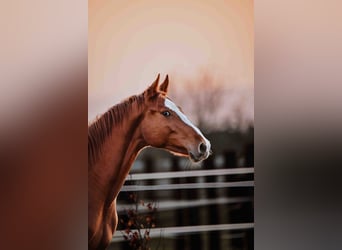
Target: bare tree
{"x": 201, "y": 98}
{"x": 211, "y": 105}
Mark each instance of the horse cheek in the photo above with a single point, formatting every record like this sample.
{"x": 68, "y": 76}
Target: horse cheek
{"x": 153, "y": 136}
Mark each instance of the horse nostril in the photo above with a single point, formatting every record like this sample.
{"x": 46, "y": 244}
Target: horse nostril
{"x": 202, "y": 148}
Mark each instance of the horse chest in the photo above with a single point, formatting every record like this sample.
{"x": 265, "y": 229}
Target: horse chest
{"x": 102, "y": 233}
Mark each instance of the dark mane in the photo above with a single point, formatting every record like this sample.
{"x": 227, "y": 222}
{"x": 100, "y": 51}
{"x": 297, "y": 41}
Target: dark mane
{"x": 102, "y": 127}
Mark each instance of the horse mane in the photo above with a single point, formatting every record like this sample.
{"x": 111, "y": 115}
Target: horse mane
{"x": 101, "y": 128}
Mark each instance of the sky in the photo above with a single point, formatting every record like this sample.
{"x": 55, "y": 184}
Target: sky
{"x": 130, "y": 42}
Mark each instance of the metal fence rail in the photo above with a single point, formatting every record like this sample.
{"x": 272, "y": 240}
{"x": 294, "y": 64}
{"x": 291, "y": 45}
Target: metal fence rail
{"x": 171, "y": 231}
{"x": 194, "y": 173}
{"x": 179, "y": 204}
{"x": 206, "y": 185}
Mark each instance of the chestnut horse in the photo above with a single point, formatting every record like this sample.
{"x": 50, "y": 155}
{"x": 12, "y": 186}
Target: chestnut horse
{"x": 116, "y": 138}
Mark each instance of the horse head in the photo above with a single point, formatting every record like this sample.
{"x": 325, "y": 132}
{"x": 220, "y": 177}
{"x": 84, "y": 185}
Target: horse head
{"x": 164, "y": 125}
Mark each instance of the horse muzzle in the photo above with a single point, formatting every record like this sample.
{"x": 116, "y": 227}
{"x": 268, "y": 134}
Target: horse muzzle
{"x": 202, "y": 152}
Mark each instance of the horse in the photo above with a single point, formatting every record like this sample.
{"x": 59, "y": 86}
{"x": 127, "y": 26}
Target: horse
{"x": 116, "y": 138}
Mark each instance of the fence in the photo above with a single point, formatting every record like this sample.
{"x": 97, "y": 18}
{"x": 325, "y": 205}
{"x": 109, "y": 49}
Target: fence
{"x": 211, "y": 208}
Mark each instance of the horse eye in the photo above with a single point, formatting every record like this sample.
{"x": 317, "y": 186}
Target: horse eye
{"x": 166, "y": 113}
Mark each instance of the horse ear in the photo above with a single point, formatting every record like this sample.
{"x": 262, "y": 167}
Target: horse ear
{"x": 153, "y": 89}
{"x": 164, "y": 86}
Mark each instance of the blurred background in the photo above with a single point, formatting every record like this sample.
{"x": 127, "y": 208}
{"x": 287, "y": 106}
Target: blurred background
{"x": 207, "y": 50}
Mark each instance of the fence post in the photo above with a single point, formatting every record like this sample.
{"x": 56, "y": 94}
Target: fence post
{"x": 213, "y": 210}
{"x": 249, "y": 207}
{"x": 250, "y": 155}
{"x": 177, "y": 195}
{"x": 230, "y": 160}
{"x": 192, "y": 216}
{"x": 149, "y": 165}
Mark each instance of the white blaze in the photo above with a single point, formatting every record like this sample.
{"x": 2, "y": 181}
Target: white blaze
{"x": 168, "y": 103}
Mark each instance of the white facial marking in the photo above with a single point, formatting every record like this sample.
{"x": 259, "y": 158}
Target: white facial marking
{"x": 169, "y": 104}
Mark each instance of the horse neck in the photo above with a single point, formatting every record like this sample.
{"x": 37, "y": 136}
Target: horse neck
{"x": 118, "y": 154}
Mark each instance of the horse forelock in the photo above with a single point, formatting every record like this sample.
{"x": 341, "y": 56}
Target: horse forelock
{"x": 102, "y": 127}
